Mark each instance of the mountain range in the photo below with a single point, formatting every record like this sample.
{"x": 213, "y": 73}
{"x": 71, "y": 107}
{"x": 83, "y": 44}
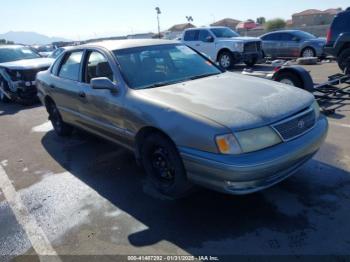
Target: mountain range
{"x": 30, "y": 38}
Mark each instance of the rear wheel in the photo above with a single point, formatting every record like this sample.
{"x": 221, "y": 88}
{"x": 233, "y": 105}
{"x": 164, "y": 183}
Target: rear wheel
{"x": 61, "y": 128}
{"x": 226, "y": 60}
{"x": 344, "y": 59}
{"x": 164, "y": 166}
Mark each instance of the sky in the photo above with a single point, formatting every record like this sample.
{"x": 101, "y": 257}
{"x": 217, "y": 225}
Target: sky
{"x": 82, "y": 19}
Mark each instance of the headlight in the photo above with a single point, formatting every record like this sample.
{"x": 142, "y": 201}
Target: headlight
{"x": 238, "y": 46}
{"x": 256, "y": 139}
{"x": 316, "y": 108}
{"x": 247, "y": 141}
{"x": 15, "y": 75}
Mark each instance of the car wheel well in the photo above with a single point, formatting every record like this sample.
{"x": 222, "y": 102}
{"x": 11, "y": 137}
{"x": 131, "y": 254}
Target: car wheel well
{"x": 344, "y": 47}
{"x": 221, "y": 51}
{"x": 143, "y": 134}
{"x": 48, "y": 101}
{"x": 306, "y": 47}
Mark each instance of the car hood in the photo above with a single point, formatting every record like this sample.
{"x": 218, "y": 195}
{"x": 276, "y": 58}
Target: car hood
{"x": 236, "y": 101}
{"x": 28, "y": 64}
{"x": 241, "y": 38}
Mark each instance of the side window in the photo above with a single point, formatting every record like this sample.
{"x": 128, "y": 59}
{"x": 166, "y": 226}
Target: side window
{"x": 271, "y": 37}
{"x": 55, "y": 67}
{"x": 286, "y": 37}
{"x": 97, "y": 66}
{"x": 191, "y": 35}
{"x": 71, "y": 66}
{"x": 203, "y": 35}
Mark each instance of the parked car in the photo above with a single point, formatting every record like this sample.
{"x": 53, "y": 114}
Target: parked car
{"x": 292, "y": 43}
{"x": 224, "y": 45}
{"x": 44, "y": 50}
{"x": 18, "y": 68}
{"x": 186, "y": 119}
{"x": 57, "y": 52}
{"x": 338, "y": 39}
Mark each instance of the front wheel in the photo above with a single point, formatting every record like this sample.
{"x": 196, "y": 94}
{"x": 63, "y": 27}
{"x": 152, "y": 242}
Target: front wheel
{"x": 225, "y": 60}
{"x": 308, "y": 52}
{"x": 61, "y": 128}
{"x": 164, "y": 166}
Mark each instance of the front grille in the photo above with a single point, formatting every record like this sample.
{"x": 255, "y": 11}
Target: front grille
{"x": 30, "y": 75}
{"x": 252, "y": 47}
{"x": 296, "y": 125}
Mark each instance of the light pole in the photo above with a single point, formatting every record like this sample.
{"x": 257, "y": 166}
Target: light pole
{"x": 158, "y": 13}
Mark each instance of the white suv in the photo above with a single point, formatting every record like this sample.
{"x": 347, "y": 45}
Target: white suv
{"x": 224, "y": 45}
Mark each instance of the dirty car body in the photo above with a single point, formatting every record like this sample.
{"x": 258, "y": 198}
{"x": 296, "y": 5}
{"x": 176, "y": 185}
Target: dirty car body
{"x": 18, "y": 68}
{"x": 233, "y": 133}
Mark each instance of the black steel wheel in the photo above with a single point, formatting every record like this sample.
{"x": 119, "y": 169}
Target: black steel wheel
{"x": 164, "y": 166}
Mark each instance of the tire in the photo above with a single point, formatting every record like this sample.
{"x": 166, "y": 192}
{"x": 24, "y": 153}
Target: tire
{"x": 225, "y": 60}
{"x": 251, "y": 62}
{"x": 308, "y": 52}
{"x": 344, "y": 59}
{"x": 164, "y": 166}
{"x": 3, "y": 97}
{"x": 61, "y": 128}
{"x": 289, "y": 78}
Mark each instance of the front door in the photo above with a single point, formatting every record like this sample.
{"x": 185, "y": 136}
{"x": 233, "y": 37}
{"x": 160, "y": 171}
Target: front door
{"x": 101, "y": 109}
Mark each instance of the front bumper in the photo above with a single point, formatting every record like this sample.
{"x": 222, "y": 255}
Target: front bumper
{"x": 255, "y": 171}
{"x": 23, "y": 90}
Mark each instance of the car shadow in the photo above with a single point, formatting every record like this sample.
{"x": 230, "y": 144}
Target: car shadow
{"x": 13, "y": 108}
{"x": 188, "y": 223}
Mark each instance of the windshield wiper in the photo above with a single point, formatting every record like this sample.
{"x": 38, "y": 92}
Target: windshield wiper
{"x": 203, "y": 76}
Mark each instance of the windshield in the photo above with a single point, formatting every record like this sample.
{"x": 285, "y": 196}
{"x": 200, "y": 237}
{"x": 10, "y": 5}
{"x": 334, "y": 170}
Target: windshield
{"x": 153, "y": 66}
{"x": 224, "y": 32}
{"x": 304, "y": 35}
{"x": 13, "y": 54}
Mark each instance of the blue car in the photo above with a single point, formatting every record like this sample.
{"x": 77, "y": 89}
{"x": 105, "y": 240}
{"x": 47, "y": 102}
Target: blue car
{"x": 292, "y": 43}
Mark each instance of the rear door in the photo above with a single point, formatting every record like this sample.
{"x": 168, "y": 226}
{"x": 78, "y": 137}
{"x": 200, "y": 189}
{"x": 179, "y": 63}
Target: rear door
{"x": 66, "y": 85}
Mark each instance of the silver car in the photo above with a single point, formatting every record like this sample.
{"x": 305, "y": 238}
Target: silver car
{"x": 187, "y": 121}
{"x": 292, "y": 43}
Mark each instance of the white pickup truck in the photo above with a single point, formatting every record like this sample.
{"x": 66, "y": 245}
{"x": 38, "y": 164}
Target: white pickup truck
{"x": 224, "y": 45}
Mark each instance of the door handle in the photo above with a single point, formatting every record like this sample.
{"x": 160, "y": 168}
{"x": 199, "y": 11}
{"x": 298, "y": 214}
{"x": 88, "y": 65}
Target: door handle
{"x": 198, "y": 44}
{"x": 82, "y": 94}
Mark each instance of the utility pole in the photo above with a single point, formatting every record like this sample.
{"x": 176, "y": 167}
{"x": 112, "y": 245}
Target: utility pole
{"x": 158, "y": 13}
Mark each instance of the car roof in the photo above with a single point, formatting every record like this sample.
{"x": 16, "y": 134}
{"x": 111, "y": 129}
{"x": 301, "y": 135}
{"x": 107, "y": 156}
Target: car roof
{"x": 130, "y": 43}
{"x": 206, "y": 28}
{"x": 283, "y": 31}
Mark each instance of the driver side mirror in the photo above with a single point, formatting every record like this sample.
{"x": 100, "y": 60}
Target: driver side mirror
{"x": 103, "y": 83}
{"x": 209, "y": 39}
{"x": 296, "y": 39}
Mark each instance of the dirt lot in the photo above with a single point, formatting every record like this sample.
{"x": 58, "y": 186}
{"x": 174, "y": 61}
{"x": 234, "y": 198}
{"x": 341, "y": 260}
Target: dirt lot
{"x": 84, "y": 196}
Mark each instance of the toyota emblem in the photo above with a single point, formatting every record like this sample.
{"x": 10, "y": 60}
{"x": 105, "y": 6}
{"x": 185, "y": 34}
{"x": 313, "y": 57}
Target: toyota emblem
{"x": 301, "y": 124}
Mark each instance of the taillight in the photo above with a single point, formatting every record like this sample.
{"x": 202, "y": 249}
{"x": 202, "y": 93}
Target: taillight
{"x": 329, "y": 36}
